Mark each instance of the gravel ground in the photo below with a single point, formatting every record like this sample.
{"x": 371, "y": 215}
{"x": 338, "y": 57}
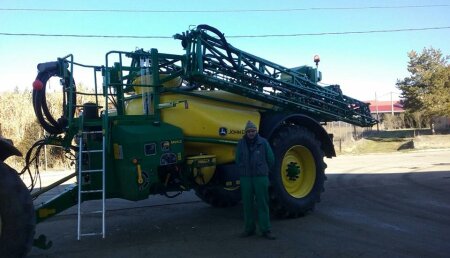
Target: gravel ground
{"x": 391, "y": 205}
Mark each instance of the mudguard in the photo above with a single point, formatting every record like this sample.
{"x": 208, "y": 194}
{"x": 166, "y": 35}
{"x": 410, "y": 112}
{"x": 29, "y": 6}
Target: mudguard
{"x": 270, "y": 122}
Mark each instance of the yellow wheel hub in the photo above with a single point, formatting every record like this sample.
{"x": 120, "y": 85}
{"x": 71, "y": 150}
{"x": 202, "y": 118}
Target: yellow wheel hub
{"x": 298, "y": 171}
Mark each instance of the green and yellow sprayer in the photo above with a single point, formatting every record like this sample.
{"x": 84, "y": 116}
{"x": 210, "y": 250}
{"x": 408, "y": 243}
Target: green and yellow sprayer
{"x": 165, "y": 124}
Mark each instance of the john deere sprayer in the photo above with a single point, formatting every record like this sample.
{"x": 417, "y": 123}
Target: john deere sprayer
{"x": 164, "y": 123}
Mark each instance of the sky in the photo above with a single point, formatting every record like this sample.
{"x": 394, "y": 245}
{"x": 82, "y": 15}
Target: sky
{"x": 364, "y": 64}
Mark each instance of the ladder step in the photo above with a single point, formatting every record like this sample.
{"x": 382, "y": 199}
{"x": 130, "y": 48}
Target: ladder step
{"x": 92, "y": 132}
{"x": 92, "y": 234}
{"x": 91, "y": 171}
{"x": 92, "y": 151}
{"x": 92, "y": 191}
{"x": 92, "y": 212}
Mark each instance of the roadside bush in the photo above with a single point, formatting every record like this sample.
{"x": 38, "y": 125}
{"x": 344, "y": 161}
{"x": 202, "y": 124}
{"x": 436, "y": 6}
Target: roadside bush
{"x": 18, "y": 123}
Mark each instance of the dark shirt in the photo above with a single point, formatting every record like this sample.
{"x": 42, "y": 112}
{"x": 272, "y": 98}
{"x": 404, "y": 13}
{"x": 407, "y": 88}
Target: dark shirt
{"x": 254, "y": 157}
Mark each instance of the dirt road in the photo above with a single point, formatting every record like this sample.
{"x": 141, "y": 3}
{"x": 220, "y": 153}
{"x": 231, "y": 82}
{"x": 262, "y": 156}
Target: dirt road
{"x": 385, "y": 205}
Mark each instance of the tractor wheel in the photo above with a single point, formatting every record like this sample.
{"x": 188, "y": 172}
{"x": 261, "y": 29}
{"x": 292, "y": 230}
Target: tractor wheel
{"x": 219, "y": 196}
{"x": 297, "y": 182}
{"x": 17, "y": 221}
{"x": 216, "y": 193}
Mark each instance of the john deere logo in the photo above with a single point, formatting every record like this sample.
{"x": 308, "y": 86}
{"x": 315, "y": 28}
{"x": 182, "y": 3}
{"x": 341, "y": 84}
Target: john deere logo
{"x": 223, "y": 131}
{"x": 237, "y": 131}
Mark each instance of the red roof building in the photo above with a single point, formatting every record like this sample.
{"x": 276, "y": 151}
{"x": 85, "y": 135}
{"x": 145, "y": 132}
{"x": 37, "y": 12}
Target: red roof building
{"x": 384, "y": 106}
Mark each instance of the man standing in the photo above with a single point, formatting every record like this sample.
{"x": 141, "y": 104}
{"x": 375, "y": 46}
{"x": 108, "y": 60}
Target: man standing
{"x": 254, "y": 159}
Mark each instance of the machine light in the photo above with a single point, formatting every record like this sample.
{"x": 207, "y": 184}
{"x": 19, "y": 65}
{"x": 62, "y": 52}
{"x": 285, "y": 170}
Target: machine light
{"x": 317, "y": 59}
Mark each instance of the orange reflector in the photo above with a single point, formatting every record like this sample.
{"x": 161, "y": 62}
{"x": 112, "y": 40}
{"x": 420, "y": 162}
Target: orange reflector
{"x": 38, "y": 85}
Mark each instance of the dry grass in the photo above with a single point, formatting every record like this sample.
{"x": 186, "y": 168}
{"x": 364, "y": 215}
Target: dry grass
{"x": 18, "y": 122}
{"x": 383, "y": 145}
{"x": 432, "y": 142}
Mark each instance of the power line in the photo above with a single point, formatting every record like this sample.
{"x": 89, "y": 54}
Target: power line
{"x": 340, "y": 33}
{"x": 223, "y": 10}
{"x": 83, "y": 36}
{"x": 228, "y": 36}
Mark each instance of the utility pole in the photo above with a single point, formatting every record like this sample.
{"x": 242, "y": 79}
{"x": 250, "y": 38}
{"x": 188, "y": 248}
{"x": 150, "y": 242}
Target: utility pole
{"x": 45, "y": 154}
{"x": 392, "y": 105}
{"x": 376, "y": 105}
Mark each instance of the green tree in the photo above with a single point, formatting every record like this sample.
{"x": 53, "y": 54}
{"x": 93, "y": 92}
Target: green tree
{"x": 427, "y": 89}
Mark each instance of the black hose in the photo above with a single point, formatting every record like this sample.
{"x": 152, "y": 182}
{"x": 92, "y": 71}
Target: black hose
{"x": 224, "y": 41}
{"x": 44, "y": 116}
{"x": 39, "y": 97}
{"x": 32, "y": 156}
{"x": 172, "y": 196}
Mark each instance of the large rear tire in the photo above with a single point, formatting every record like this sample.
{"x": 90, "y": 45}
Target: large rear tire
{"x": 17, "y": 221}
{"x": 298, "y": 179}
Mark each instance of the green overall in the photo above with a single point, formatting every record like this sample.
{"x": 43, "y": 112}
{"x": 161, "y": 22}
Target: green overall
{"x": 254, "y": 161}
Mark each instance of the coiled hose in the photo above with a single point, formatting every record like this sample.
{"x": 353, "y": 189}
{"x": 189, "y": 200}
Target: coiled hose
{"x": 45, "y": 118}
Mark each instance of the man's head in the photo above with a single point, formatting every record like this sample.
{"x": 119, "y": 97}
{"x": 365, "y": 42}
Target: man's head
{"x": 251, "y": 130}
